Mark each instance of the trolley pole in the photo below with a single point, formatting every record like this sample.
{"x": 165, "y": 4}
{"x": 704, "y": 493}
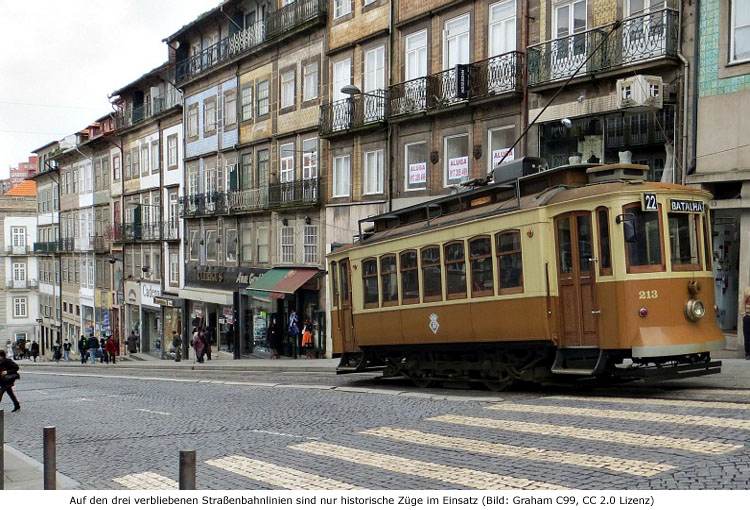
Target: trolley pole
{"x": 187, "y": 470}
{"x": 50, "y": 459}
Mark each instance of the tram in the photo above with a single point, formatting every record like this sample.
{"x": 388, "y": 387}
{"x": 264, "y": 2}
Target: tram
{"x": 582, "y": 271}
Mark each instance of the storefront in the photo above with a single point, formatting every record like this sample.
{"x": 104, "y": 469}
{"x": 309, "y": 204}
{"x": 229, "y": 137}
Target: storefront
{"x": 171, "y": 319}
{"x": 151, "y": 325}
{"x": 132, "y": 309}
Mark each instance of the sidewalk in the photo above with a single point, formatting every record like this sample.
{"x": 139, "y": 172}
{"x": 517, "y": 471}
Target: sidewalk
{"x": 24, "y": 473}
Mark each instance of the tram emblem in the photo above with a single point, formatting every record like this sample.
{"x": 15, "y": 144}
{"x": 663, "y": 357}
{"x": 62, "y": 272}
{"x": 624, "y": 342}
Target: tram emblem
{"x": 434, "y": 324}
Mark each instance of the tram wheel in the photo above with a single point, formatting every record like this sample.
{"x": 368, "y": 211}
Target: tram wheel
{"x": 498, "y": 385}
{"x": 421, "y": 380}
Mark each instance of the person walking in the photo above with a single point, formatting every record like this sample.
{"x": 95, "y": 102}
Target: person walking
{"x": 198, "y": 346}
{"x": 34, "y": 350}
{"x": 8, "y": 377}
{"x": 57, "y": 352}
{"x": 93, "y": 345}
{"x": 82, "y": 346}
{"x": 294, "y": 331}
{"x": 104, "y": 357}
{"x": 207, "y": 337}
{"x": 177, "y": 346}
{"x": 132, "y": 342}
{"x": 274, "y": 339}
{"x": 308, "y": 340}
{"x": 111, "y": 349}
{"x": 66, "y": 350}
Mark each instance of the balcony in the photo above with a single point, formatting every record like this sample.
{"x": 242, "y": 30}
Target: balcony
{"x": 139, "y": 113}
{"x": 47, "y": 247}
{"x": 485, "y": 79}
{"x": 276, "y": 26}
{"x": 102, "y": 243}
{"x": 204, "y": 204}
{"x": 17, "y": 250}
{"x": 248, "y": 200}
{"x": 21, "y": 284}
{"x": 639, "y": 39}
{"x": 294, "y": 194}
{"x": 67, "y": 244}
{"x": 353, "y": 114}
{"x": 146, "y": 232}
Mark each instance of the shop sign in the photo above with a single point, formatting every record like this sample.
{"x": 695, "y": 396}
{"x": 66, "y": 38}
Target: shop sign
{"x": 458, "y": 168}
{"x": 418, "y": 173}
{"x": 498, "y": 154}
{"x": 148, "y": 292}
{"x": 164, "y": 301}
{"x": 462, "y": 81}
{"x": 686, "y": 206}
{"x": 223, "y": 278}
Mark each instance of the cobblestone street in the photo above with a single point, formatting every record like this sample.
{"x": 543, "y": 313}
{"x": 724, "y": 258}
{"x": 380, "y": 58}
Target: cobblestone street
{"x": 303, "y": 430}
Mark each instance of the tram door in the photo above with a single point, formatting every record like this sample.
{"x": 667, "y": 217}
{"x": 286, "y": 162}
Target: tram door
{"x": 576, "y": 283}
{"x": 346, "y": 321}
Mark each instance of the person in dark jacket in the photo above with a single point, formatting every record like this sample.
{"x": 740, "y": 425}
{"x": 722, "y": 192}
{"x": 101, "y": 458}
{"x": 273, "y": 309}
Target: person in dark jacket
{"x": 34, "y": 350}
{"x": 132, "y": 342}
{"x": 93, "y": 346}
{"x": 8, "y": 377}
{"x": 111, "y": 350}
{"x": 82, "y": 345}
{"x": 275, "y": 338}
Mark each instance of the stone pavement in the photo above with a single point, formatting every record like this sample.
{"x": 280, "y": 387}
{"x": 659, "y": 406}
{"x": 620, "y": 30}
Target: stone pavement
{"x": 124, "y": 431}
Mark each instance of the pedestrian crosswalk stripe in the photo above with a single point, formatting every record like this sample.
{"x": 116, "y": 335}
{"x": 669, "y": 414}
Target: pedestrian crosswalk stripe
{"x": 146, "y": 481}
{"x": 610, "y": 436}
{"x": 628, "y": 466}
{"x": 673, "y": 419}
{"x": 279, "y": 476}
{"x": 456, "y": 475}
{"x": 656, "y": 402}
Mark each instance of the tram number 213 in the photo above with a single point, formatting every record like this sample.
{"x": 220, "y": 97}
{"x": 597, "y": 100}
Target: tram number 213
{"x": 648, "y": 294}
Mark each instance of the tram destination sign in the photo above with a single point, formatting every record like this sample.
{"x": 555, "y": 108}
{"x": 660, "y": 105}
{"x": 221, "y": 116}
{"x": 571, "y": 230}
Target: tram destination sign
{"x": 686, "y": 206}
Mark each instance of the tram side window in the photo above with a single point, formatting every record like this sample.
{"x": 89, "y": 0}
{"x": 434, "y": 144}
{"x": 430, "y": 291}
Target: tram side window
{"x": 334, "y": 285}
{"x": 388, "y": 280}
{"x": 345, "y": 293}
{"x": 644, "y": 254}
{"x": 409, "y": 277}
{"x": 370, "y": 282}
{"x": 707, "y": 241}
{"x": 683, "y": 241}
{"x": 432, "y": 283}
{"x": 482, "y": 279}
{"x": 605, "y": 255}
{"x": 509, "y": 261}
{"x": 455, "y": 270}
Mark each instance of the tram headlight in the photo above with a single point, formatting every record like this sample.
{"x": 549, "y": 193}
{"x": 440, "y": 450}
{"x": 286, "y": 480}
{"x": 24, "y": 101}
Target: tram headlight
{"x": 695, "y": 310}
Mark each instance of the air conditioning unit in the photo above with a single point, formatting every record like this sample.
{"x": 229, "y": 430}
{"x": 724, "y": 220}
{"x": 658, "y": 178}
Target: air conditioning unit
{"x": 640, "y": 92}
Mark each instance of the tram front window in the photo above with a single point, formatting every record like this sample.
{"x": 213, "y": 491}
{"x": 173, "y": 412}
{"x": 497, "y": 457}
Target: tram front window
{"x": 645, "y": 252}
{"x": 683, "y": 241}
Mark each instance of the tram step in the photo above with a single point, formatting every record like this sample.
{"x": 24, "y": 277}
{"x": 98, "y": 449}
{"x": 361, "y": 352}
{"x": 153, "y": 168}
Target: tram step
{"x": 580, "y": 361}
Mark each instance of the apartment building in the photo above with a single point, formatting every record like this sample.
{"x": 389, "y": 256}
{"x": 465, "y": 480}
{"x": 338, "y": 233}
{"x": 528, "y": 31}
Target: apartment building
{"x": 18, "y": 298}
{"x": 147, "y": 175}
{"x": 250, "y": 73}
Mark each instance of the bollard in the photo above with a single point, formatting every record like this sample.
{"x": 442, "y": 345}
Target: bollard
{"x": 187, "y": 470}
{"x": 2, "y": 450}
{"x": 50, "y": 460}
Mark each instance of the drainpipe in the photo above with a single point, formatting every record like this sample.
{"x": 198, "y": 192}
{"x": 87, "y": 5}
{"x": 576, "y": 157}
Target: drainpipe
{"x": 524, "y": 73}
{"x": 386, "y": 106}
{"x": 685, "y": 96}
{"x": 696, "y": 71}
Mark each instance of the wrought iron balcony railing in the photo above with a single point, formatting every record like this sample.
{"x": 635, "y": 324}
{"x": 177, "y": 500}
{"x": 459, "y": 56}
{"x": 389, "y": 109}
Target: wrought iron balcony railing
{"x": 21, "y": 284}
{"x": 139, "y": 113}
{"x": 68, "y": 244}
{"x": 352, "y": 113}
{"x": 294, "y": 193}
{"x": 102, "y": 243}
{"x": 17, "y": 250}
{"x": 637, "y": 39}
{"x": 204, "y": 204}
{"x": 487, "y": 78}
{"x": 275, "y": 26}
{"x": 248, "y": 200}
{"x": 47, "y": 247}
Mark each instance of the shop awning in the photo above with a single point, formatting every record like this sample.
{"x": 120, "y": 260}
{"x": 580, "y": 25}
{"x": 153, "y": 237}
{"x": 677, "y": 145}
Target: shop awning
{"x": 277, "y": 282}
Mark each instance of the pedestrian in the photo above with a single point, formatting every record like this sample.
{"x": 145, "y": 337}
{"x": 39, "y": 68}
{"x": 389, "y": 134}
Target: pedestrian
{"x": 9, "y": 348}
{"x": 132, "y": 342}
{"x": 198, "y": 346}
{"x": 307, "y": 340}
{"x": 22, "y": 353}
{"x": 207, "y": 336}
{"x": 34, "y": 350}
{"x": 746, "y": 323}
{"x": 66, "y": 350}
{"x": 293, "y": 331}
{"x": 177, "y": 346}
{"x": 57, "y": 352}
{"x": 8, "y": 377}
{"x": 93, "y": 345}
{"x": 103, "y": 350}
{"x": 274, "y": 339}
{"x": 82, "y": 349}
{"x": 111, "y": 349}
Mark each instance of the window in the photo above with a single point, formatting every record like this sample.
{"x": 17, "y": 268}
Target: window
{"x": 18, "y": 234}
{"x": 605, "y": 256}
{"x": 230, "y": 241}
{"x": 334, "y": 285}
{"x": 346, "y": 295}
{"x": 409, "y": 277}
{"x": 246, "y": 102}
{"x": 136, "y": 163}
{"x": 263, "y": 156}
{"x": 128, "y": 172}
{"x": 416, "y": 166}
{"x": 287, "y": 89}
{"x": 20, "y": 307}
{"x": 311, "y": 244}
{"x": 375, "y": 69}
{"x": 373, "y": 163}
{"x": 172, "y": 151}
{"x": 740, "y": 31}
{"x": 644, "y": 254}
{"x": 246, "y": 246}
{"x": 707, "y": 253}
{"x": 262, "y": 244}
{"x": 209, "y": 116}
{"x": 502, "y": 27}
{"x": 19, "y": 271}
{"x": 195, "y": 245}
{"x": 432, "y": 284}
{"x": 174, "y": 268}
{"x": 212, "y": 251}
{"x": 683, "y": 241}
{"x": 263, "y": 101}
{"x": 341, "y": 173}
{"x": 509, "y": 261}
{"x": 388, "y": 280}
{"x": 341, "y": 8}
{"x": 286, "y": 162}
{"x": 309, "y": 81}
{"x": 310, "y": 158}
{"x": 455, "y": 270}
{"x": 456, "y": 159}
{"x": 416, "y": 55}
{"x": 342, "y": 75}
{"x": 369, "y": 282}
{"x": 155, "y": 157}
{"x": 499, "y": 141}
{"x": 456, "y": 42}
{"x": 192, "y": 121}
{"x": 230, "y": 108}
{"x": 287, "y": 244}
{"x": 482, "y": 278}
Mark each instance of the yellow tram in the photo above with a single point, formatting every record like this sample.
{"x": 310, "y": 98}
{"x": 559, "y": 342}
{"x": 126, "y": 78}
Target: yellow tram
{"x": 579, "y": 271}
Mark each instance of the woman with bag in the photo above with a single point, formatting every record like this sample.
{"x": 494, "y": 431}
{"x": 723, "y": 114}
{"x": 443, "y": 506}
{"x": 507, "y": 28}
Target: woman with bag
{"x": 307, "y": 340}
{"x": 8, "y": 377}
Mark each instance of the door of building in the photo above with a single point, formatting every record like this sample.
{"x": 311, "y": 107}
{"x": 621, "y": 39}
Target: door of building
{"x": 346, "y": 319}
{"x": 578, "y": 311}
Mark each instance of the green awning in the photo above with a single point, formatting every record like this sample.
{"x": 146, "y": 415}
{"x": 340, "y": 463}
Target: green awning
{"x": 278, "y": 282}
